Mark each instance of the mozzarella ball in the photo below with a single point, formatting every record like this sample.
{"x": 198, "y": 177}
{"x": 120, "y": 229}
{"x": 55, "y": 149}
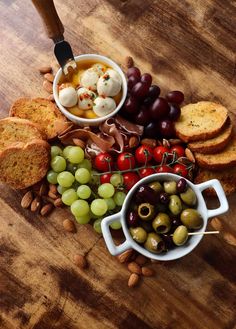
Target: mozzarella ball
{"x": 89, "y": 79}
{"x": 85, "y": 98}
{"x": 68, "y": 97}
{"x": 114, "y": 75}
{"x": 108, "y": 86}
{"x": 99, "y": 68}
{"x": 103, "y": 106}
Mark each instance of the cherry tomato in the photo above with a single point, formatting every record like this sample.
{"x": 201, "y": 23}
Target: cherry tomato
{"x": 158, "y": 153}
{"x": 130, "y": 179}
{"x": 164, "y": 168}
{"x": 178, "y": 149}
{"x": 146, "y": 172}
{"x": 103, "y": 162}
{"x": 125, "y": 161}
{"x": 181, "y": 170}
{"x": 105, "y": 178}
{"x": 143, "y": 154}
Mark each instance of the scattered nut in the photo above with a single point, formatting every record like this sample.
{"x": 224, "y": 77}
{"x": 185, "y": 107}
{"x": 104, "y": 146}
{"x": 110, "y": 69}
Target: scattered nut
{"x": 216, "y": 223}
{"x": 189, "y": 155}
{"x": 47, "y": 86}
{"x": 80, "y": 261}
{"x": 69, "y": 225}
{"x": 27, "y": 199}
{"x": 134, "y": 268}
{"x": 147, "y": 271}
{"x": 133, "y": 142}
{"x": 230, "y": 239}
{"x": 45, "y": 210}
{"x": 129, "y": 62}
{"x": 36, "y": 204}
{"x": 53, "y": 188}
{"x": 141, "y": 260}
{"x": 79, "y": 142}
{"x": 51, "y": 98}
{"x": 43, "y": 190}
{"x": 52, "y": 195}
{"x": 49, "y": 77}
{"x": 149, "y": 142}
{"x": 45, "y": 69}
{"x": 58, "y": 202}
{"x": 133, "y": 280}
{"x": 125, "y": 256}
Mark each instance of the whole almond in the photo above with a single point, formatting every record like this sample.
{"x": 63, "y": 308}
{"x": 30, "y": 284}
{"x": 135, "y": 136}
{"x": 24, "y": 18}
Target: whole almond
{"x": 43, "y": 190}
{"x": 80, "y": 261}
{"x": 47, "y": 86}
{"x": 133, "y": 142}
{"x": 149, "y": 142}
{"x": 53, "y": 188}
{"x": 141, "y": 260}
{"x": 27, "y": 199}
{"x": 189, "y": 155}
{"x": 79, "y": 142}
{"x": 51, "y": 98}
{"x": 45, "y": 69}
{"x": 229, "y": 238}
{"x": 52, "y": 195}
{"x": 175, "y": 141}
{"x": 216, "y": 223}
{"x": 125, "y": 256}
{"x": 134, "y": 268}
{"x": 129, "y": 62}
{"x": 58, "y": 202}
{"x": 69, "y": 225}
{"x": 35, "y": 204}
{"x": 46, "y": 209}
{"x": 147, "y": 271}
{"x": 133, "y": 280}
{"x": 49, "y": 77}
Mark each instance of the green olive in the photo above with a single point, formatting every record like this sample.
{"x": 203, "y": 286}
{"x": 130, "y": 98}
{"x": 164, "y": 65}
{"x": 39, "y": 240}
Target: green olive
{"x": 146, "y": 211}
{"x": 156, "y": 186}
{"x": 180, "y": 235}
{"x": 175, "y": 205}
{"x": 170, "y": 187}
{"x": 154, "y": 243}
{"x": 138, "y": 234}
{"x": 189, "y": 197}
{"x": 191, "y": 218}
{"x": 161, "y": 223}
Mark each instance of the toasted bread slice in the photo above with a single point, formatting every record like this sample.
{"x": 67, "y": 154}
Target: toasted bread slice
{"x": 14, "y": 130}
{"x": 200, "y": 121}
{"x": 215, "y": 144}
{"x": 24, "y": 164}
{"x": 42, "y": 112}
{"x": 221, "y": 160}
{"x": 227, "y": 179}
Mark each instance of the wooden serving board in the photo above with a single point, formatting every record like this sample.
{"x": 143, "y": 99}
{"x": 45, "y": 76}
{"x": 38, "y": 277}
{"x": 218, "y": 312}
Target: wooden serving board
{"x": 187, "y": 45}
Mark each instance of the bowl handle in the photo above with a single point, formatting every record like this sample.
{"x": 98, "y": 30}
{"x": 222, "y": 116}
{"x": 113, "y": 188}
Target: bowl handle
{"x": 224, "y": 206}
{"x": 114, "y": 250}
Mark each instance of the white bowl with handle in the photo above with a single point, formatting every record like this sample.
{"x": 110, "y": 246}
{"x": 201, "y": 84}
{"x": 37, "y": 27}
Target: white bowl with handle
{"x": 179, "y": 251}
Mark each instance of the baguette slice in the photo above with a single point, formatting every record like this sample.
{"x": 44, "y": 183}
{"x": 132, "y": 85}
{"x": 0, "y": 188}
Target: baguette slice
{"x": 221, "y": 160}
{"x": 22, "y": 165}
{"x": 215, "y": 144}
{"x": 42, "y": 112}
{"x": 200, "y": 121}
{"x": 14, "y": 130}
{"x": 227, "y": 179}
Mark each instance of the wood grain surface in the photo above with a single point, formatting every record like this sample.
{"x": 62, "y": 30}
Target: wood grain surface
{"x": 187, "y": 45}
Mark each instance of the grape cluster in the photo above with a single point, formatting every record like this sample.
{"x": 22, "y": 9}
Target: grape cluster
{"x": 145, "y": 107}
{"x": 80, "y": 188}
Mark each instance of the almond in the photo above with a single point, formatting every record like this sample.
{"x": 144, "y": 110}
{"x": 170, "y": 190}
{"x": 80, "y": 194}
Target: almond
{"x": 45, "y": 69}
{"x": 47, "y": 86}
{"x": 27, "y": 199}
{"x": 80, "y": 261}
{"x": 189, "y": 155}
{"x": 79, "y": 142}
{"x": 147, "y": 271}
{"x": 49, "y": 77}
{"x": 45, "y": 210}
{"x": 149, "y": 142}
{"x": 216, "y": 223}
{"x": 133, "y": 142}
{"x": 36, "y": 204}
{"x": 53, "y": 188}
{"x": 133, "y": 280}
{"x": 52, "y": 195}
{"x": 58, "y": 202}
{"x": 69, "y": 225}
{"x": 134, "y": 268}
{"x": 125, "y": 256}
{"x": 141, "y": 260}
{"x": 51, "y": 98}
{"x": 230, "y": 239}
{"x": 129, "y": 62}
{"x": 43, "y": 190}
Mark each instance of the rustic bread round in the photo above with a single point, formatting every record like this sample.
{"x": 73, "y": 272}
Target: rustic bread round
{"x": 200, "y": 121}
{"x": 215, "y": 144}
{"x": 18, "y": 130}
{"x": 24, "y": 164}
{"x": 42, "y": 112}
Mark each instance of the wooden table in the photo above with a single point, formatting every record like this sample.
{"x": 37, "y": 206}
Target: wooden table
{"x": 187, "y": 45}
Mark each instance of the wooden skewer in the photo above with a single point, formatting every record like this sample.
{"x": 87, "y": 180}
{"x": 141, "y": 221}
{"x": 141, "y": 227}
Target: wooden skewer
{"x": 198, "y": 233}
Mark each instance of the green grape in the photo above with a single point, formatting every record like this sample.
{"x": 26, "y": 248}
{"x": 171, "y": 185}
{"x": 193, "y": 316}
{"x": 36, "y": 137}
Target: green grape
{"x": 119, "y": 198}
{"x": 61, "y": 189}
{"x": 65, "y": 179}
{"x": 99, "y": 207}
{"x": 83, "y": 219}
{"x": 85, "y": 164}
{"x": 66, "y": 151}
{"x": 75, "y": 154}
{"x": 116, "y": 180}
{"x": 97, "y": 225}
{"x": 58, "y": 163}
{"x": 84, "y": 191}
{"x": 82, "y": 175}
{"x": 56, "y": 150}
{"x": 106, "y": 190}
{"x": 52, "y": 177}
{"x": 95, "y": 180}
{"x": 79, "y": 208}
{"x": 93, "y": 216}
{"x": 71, "y": 167}
{"x": 116, "y": 225}
{"x": 69, "y": 196}
{"x": 110, "y": 203}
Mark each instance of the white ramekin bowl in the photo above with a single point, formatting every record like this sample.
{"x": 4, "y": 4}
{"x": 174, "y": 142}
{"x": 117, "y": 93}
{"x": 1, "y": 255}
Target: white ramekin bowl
{"x": 96, "y": 121}
{"x": 178, "y": 251}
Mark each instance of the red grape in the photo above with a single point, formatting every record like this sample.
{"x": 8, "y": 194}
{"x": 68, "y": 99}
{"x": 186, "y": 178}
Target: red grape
{"x": 140, "y": 90}
{"x": 134, "y": 71}
{"x": 166, "y": 128}
{"x": 146, "y": 78}
{"x": 151, "y": 130}
{"x": 174, "y": 113}
{"x": 143, "y": 117}
{"x": 131, "y": 105}
{"x": 159, "y": 109}
{"x": 154, "y": 91}
{"x": 132, "y": 81}
{"x": 176, "y": 97}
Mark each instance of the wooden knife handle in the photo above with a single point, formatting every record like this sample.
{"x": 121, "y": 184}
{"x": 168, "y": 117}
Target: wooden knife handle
{"x": 52, "y": 23}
